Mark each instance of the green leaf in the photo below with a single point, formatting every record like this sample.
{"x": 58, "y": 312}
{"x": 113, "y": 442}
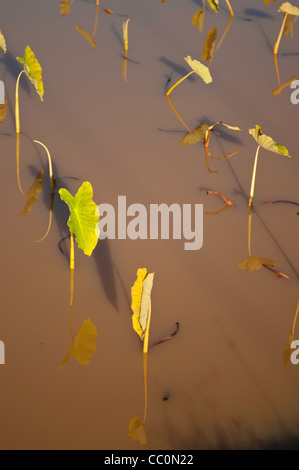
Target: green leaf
{"x": 287, "y": 7}
{"x": 83, "y": 219}
{"x": 33, "y": 71}
{"x": 87, "y": 36}
{"x": 196, "y": 135}
{"x": 33, "y": 193}
{"x": 198, "y": 18}
{"x": 84, "y": 344}
{"x": 208, "y": 49}
{"x": 2, "y": 42}
{"x": 141, "y": 296}
{"x": 200, "y": 69}
{"x": 267, "y": 142}
{"x": 254, "y": 263}
{"x": 214, "y": 4}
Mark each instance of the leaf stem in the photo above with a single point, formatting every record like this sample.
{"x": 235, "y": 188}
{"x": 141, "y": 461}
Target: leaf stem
{"x": 230, "y": 8}
{"x": 18, "y": 162}
{"x": 145, "y": 355}
{"x": 177, "y": 114}
{"x": 280, "y": 34}
{"x": 251, "y": 198}
{"x": 96, "y": 19}
{"x": 72, "y": 281}
{"x": 178, "y": 82}
{"x": 17, "y": 109}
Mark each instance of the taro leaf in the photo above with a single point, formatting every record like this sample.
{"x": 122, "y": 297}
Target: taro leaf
{"x": 87, "y": 36}
{"x": 65, "y": 7}
{"x": 196, "y": 135}
{"x": 200, "y": 69}
{"x": 267, "y": 142}
{"x": 208, "y": 49}
{"x": 84, "y": 344}
{"x": 288, "y": 27}
{"x": 136, "y": 431}
{"x": 33, "y": 71}
{"x": 254, "y": 263}
{"x": 287, "y": 7}
{"x": 288, "y": 350}
{"x": 33, "y": 193}
{"x": 141, "y": 296}
{"x": 2, "y": 42}
{"x": 3, "y": 111}
{"x": 83, "y": 219}
{"x": 198, "y": 18}
{"x": 214, "y": 4}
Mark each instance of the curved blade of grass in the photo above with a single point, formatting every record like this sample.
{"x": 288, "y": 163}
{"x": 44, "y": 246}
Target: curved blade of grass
{"x": 52, "y": 191}
{"x": 33, "y": 193}
{"x": 17, "y": 107}
{"x": 177, "y": 114}
{"x": 96, "y": 19}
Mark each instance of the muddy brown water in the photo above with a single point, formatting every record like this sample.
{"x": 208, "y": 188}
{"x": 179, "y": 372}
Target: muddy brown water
{"x": 223, "y": 373}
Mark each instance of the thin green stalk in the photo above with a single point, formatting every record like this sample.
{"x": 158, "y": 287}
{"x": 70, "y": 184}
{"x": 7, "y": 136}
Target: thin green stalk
{"x": 96, "y": 19}
{"x": 230, "y": 8}
{"x": 178, "y": 82}
{"x": 17, "y": 108}
{"x": 18, "y": 162}
{"x": 72, "y": 281}
{"x": 145, "y": 356}
{"x": 251, "y": 198}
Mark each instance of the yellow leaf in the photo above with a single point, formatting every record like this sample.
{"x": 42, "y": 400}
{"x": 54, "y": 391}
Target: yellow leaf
{"x": 288, "y": 27}
{"x": 33, "y": 70}
{"x": 198, "y": 18}
{"x": 136, "y": 293}
{"x": 208, "y": 50}
{"x": 199, "y": 68}
{"x": 254, "y": 263}
{"x": 65, "y": 7}
{"x": 136, "y": 431}
{"x": 3, "y": 111}
{"x": 87, "y": 36}
{"x": 84, "y": 345}
{"x": 2, "y": 42}
{"x": 108, "y": 11}
{"x": 196, "y": 135}
{"x": 33, "y": 193}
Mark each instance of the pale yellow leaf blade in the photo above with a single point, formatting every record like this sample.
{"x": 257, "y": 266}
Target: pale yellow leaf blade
{"x": 254, "y": 263}
{"x": 198, "y": 19}
{"x": 3, "y": 42}
{"x": 65, "y": 8}
{"x": 287, "y": 7}
{"x": 209, "y": 45}
{"x": 267, "y": 142}
{"x": 200, "y": 69}
{"x": 136, "y": 431}
{"x": 33, "y": 193}
{"x": 136, "y": 293}
{"x": 87, "y": 36}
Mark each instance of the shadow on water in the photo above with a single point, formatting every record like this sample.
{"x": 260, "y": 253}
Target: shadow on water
{"x": 257, "y": 13}
{"x": 106, "y": 271}
{"x": 179, "y": 69}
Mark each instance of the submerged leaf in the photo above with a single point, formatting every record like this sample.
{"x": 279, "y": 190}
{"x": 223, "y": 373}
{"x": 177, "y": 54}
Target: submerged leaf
{"x": 267, "y": 142}
{"x": 87, "y": 36}
{"x": 254, "y": 263}
{"x": 33, "y": 71}
{"x": 65, "y": 7}
{"x": 3, "y": 111}
{"x": 196, "y": 135}
{"x": 214, "y": 4}
{"x": 287, "y": 7}
{"x": 141, "y": 295}
{"x": 84, "y": 344}
{"x": 198, "y": 18}
{"x": 33, "y": 193}
{"x": 83, "y": 219}
{"x": 288, "y": 350}
{"x": 136, "y": 431}
{"x": 2, "y": 42}
{"x": 200, "y": 69}
{"x": 288, "y": 27}
{"x": 208, "y": 50}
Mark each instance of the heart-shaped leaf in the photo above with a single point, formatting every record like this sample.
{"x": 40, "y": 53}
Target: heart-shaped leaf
{"x": 267, "y": 142}
{"x": 199, "y": 68}
{"x": 33, "y": 71}
{"x": 254, "y": 263}
{"x": 84, "y": 344}
{"x": 136, "y": 431}
{"x": 83, "y": 219}
{"x": 287, "y": 7}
